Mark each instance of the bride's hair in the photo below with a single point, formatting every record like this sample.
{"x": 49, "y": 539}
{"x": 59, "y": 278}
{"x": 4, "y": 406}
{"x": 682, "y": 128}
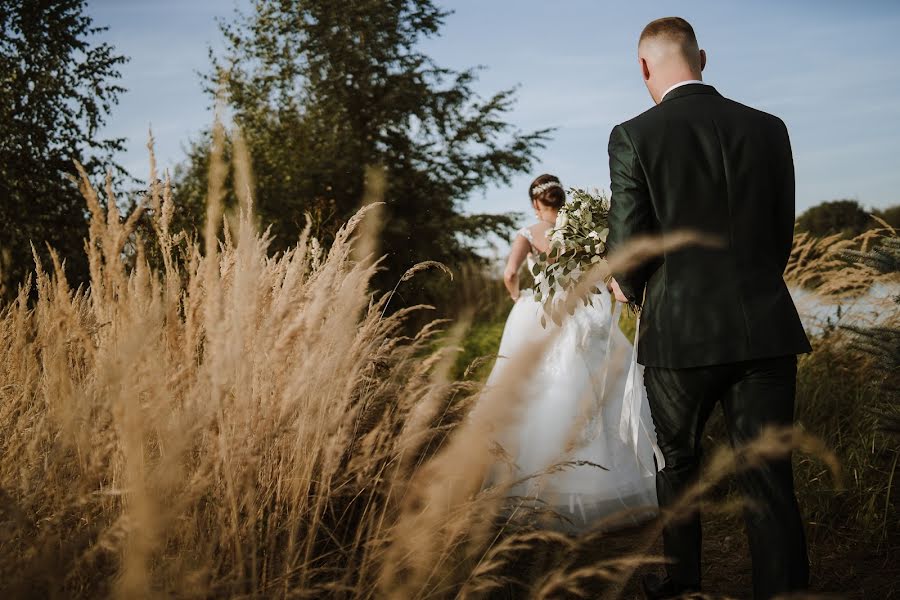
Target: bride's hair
{"x": 547, "y": 190}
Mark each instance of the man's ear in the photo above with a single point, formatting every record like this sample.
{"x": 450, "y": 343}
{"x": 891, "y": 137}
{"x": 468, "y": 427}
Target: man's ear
{"x": 645, "y": 68}
{"x": 702, "y": 60}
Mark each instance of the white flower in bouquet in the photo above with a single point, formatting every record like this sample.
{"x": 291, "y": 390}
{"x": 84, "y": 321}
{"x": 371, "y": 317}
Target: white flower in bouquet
{"x": 577, "y": 242}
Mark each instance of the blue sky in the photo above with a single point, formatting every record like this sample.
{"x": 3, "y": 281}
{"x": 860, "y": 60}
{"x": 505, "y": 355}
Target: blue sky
{"x": 830, "y": 69}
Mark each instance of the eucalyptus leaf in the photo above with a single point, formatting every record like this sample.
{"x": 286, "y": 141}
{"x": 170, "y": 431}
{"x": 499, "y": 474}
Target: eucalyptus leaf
{"x": 578, "y": 245}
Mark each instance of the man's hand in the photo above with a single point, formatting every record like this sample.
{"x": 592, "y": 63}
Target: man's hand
{"x": 617, "y": 291}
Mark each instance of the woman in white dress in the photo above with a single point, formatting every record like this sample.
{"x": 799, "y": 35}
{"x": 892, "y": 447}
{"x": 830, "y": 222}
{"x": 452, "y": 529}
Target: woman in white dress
{"x": 573, "y": 398}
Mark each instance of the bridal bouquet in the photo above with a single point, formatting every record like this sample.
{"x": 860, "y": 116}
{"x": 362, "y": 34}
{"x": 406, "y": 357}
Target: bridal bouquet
{"x": 577, "y": 242}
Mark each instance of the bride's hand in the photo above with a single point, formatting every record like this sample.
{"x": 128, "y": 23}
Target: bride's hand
{"x": 613, "y": 287}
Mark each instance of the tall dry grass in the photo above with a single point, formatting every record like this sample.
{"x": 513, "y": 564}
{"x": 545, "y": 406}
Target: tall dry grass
{"x": 821, "y": 265}
{"x": 843, "y": 391}
{"x": 233, "y": 424}
{"x": 239, "y": 425}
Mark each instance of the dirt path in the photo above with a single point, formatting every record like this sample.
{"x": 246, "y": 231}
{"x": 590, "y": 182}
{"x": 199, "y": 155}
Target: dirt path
{"x": 859, "y": 571}
{"x": 852, "y": 571}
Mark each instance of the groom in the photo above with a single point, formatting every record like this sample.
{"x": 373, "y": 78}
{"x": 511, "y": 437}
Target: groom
{"x": 718, "y": 325}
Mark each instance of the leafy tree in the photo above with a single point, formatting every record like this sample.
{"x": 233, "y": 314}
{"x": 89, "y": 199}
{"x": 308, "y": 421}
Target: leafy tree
{"x": 56, "y": 89}
{"x": 320, "y": 90}
{"x": 891, "y": 215}
{"x": 837, "y": 216}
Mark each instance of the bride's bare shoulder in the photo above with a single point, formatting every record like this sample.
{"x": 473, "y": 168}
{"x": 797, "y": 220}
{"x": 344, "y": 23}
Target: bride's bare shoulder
{"x": 538, "y": 233}
{"x": 539, "y": 228}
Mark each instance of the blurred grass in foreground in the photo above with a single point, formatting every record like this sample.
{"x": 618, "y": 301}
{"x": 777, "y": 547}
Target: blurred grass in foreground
{"x": 239, "y": 425}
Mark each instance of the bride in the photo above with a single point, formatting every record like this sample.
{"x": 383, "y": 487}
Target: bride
{"x": 573, "y": 396}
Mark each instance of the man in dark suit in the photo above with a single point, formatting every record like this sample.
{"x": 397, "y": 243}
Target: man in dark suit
{"x": 718, "y": 324}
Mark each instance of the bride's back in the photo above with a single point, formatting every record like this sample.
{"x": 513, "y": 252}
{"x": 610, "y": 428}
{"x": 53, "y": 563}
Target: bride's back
{"x": 539, "y": 240}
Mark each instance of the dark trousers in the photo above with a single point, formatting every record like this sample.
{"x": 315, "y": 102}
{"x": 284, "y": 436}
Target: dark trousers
{"x": 753, "y": 394}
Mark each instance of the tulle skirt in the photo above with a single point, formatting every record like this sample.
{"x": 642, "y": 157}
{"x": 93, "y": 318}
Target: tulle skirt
{"x": 566, "y": 448}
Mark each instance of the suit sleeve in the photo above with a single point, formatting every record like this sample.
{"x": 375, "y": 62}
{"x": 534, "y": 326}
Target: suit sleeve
{"x": 631, "y": 213}
{"x": 785, "y": 203}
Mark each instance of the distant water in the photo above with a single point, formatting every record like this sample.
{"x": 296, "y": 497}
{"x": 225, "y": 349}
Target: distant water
{"x": 871, "y": 308}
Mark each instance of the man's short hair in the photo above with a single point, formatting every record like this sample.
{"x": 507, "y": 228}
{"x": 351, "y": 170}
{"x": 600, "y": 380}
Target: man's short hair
{"x": 679, "y": 32}
{"x": 671, "y": 28}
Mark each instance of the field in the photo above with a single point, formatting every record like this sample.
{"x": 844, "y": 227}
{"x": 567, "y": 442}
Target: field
{"x": 852, "y": 521}
{"x": 231, "y": 424}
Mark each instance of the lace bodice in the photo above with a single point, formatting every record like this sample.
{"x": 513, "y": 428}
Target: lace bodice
{"x": 525, "y": 232}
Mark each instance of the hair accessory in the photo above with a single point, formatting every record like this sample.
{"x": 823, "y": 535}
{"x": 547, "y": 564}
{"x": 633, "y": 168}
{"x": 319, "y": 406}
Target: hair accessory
{"x": 540, "y": 189}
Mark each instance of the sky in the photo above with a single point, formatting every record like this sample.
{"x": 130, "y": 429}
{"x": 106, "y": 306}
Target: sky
{"x": 830, "y": 69}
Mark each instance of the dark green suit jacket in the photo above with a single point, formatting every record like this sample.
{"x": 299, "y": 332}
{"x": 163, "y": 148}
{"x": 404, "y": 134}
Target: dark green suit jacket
{"x": 701, "y": 162}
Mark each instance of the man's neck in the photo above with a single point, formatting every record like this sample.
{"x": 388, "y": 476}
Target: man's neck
{"x": 680, "y": 82}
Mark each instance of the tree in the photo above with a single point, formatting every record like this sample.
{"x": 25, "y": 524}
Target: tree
{"x": 320, "y": 90}
{"x": 890, "y": 215}
{"x": 56, "y": 89}
{"x": 837, "y": 216}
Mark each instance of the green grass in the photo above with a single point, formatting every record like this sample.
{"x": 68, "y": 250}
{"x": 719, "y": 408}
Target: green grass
{"x": 481, "y": 344}
{"x": 835, "y": 397}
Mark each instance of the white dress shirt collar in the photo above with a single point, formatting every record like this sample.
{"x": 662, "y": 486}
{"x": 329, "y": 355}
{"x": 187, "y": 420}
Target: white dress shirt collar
{"x": 681, "y": 83}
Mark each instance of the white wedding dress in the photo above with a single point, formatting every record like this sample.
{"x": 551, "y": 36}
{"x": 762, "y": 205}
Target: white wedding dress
{"x": 583, "y": 400}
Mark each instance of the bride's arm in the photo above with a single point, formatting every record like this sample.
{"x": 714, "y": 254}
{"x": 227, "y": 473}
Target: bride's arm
{"x": 520, "y": 249}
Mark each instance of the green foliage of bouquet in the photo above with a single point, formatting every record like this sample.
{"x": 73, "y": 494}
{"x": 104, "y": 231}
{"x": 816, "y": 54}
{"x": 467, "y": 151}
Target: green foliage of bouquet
{"x": 577, "y": 243}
